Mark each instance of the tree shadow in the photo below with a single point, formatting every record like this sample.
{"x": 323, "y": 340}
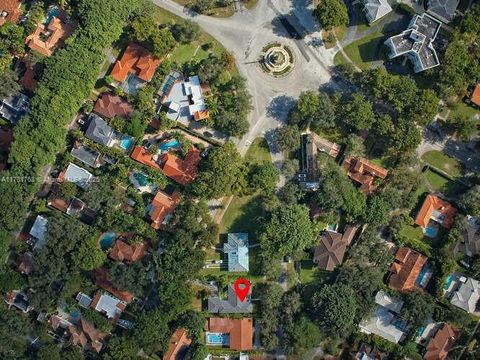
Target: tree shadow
{"x": 280, "y": 107}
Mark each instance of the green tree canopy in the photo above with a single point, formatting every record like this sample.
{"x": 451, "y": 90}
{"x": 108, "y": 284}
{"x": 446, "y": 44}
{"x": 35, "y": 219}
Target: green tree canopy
{"x": 331, "y": 13}
{"x": 264, "y": 177}
{"x": 288, "y": 231}
{"x": 335, "y": 307}
{"x": 470, "y": 201}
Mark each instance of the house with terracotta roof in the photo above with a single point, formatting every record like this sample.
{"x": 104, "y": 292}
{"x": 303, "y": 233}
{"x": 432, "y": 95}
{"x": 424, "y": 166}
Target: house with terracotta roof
{"x": 475, "y": 98}
{"x": 86, "y": 336}
{"x": 405, "y": 269}
{"x": 103, "y": 281}
{"x": 437, "y": 210}
{"x": 440, "y": 343}
{"x": 10, "y": 11}
{"x": 48, "y": 38}
{"x": 329, "y": 254}
{"x": 136, "y": 67}
{"x": 364, "y": 172}
{"x": 142, "y": 155}
{"x": 183, "y": 171}
{"x": 178, "y": 345}
{"x": 125, "y": 252}
{"x": 236, "y": 334}
{"x": 162, "y": 207}
{"x": 109, "y": 106}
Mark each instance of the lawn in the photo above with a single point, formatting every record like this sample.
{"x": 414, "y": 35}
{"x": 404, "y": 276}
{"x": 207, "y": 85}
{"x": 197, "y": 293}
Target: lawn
{"x": 412, "y": 236}
{"x": 462, "y": 109}
{"x": 310, "y": 273}
{"x": 442, "y": 184}
{"x": 195, "y": 50}
{"x": 364, "y": 51}
{"x": 443, "y": 162}
{"x": 243, "y": 214}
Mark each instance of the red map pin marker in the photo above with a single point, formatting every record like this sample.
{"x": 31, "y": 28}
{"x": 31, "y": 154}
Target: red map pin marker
{"x": 242, "y": 288}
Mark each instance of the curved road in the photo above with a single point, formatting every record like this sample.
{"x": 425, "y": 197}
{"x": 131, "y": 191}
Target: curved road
{"x": 245, "y": 34}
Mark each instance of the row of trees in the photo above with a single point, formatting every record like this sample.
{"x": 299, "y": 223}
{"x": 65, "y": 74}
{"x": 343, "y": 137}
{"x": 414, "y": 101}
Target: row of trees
{"x": 69, "y": 77}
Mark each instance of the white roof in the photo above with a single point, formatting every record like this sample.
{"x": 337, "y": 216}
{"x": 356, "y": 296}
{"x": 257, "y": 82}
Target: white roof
{"x": 108, "y": 305}
{"x": 376, "y": 9}
{"x": 78, "y": 175}
{"x": 388, "y": 302}
{"x": 174, "y": 106}
{"x": 381, "y": 324}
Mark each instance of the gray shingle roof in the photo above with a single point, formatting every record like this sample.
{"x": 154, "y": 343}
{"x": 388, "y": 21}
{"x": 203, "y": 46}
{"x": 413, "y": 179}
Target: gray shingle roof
{"x": 99, "y": 131}
{"x": 231, "y": 305}
{"x": 467, "y": 296}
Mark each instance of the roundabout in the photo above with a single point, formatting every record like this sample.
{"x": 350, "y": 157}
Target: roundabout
{"x": 277, "y": 59}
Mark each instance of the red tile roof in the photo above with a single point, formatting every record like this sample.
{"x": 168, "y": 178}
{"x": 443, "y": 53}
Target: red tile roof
{"x": 45, "y": 40}
{"x": 433, "y": 204}
{"x": 102, "y": 280}
{"x": 476, "y": 95}
{"x": 240, "y": 331}
{"x": 364, "y": 172}
{"x": 109, "y": 106}
{"x": 178, "y": 342}
{"x": 12, "y": 10}
{"x": 6, "y": 138}
{"x": 122, "y": 251}
{"x": 144, "y": 157}
{"x": 201, "y": 115}
{"x": 163, "y": 205}
{"x": 405, "y": 269}
{"x": 86, "y": 334}
{"x": 182, "y": 171}
{"x": 439, "y": 345}
{"x": 135, "y": 60}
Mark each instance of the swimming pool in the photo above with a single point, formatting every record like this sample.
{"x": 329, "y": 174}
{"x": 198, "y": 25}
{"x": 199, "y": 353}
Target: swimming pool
{"x": 141, "y": 179}
{"x": 165, "y": 146}
{"x": 448, "y": 282}
{"x": 423, "y": 277}
{"x": 431, "y": 231}
{"x": 53, "y": 12}
{"x": 107, "y": 239}
{"x": 126, "y": 142}
{"x": 217, "y": 339}
{"x": 331, "y": 227}
{"x": 131, "y": 84}
{"x": 75, "y": 315}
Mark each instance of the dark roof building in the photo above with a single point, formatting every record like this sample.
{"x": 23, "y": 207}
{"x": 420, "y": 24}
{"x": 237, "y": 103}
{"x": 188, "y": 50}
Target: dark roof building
{"x": 444, "y": 10}
{"x": 329, "y": 254}
{"x": 231, "y": 305}
{"x": 13, "y": 108}
{"x": 470, "y": 238}
{"x": 86, "y": 155}
{"x": 99, "y": 131}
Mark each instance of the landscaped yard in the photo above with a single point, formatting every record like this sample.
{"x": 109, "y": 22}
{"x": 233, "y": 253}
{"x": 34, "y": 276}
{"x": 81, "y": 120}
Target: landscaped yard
{"x": 440, "y": 183}
{"x": 443, "y": 162}
{"x": 243, "y": 212}
{"x": 462, "y": 109}
{"x": 364, "y": 51}
{"x": 223, "y": 11}
{"x": 195, "y": 50}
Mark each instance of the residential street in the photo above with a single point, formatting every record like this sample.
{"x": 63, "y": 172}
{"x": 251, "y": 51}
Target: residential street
{"x": 245, "y": 34}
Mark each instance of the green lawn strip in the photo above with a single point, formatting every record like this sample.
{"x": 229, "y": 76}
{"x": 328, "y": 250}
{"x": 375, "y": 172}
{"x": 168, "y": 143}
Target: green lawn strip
{"x": 462, "y": 109}
{"x": 340, "y": 59}
{"x": 444, "y": 185}
{"x": 363, "y": 51}
{"x": 443, "y": 162}
{"x": 412, "y": 236}
{"x": 243, "y": 212}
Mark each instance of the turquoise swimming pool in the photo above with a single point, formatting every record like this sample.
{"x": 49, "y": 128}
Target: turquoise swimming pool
{"x": 106, "y": 240}
{"x": 217, "y": 339}
{"x": 53, "y": 12}
{"x": 126, "y": 142}
{"x": 448, "y": 282}
{"x": 165, "y": 146}
{"x": 431, "y": 231}
{"x": 141, "y": 178}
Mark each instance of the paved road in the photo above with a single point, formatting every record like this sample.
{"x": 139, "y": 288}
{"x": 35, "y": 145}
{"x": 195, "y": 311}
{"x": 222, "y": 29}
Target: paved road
{"x": 246, "y": 33}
